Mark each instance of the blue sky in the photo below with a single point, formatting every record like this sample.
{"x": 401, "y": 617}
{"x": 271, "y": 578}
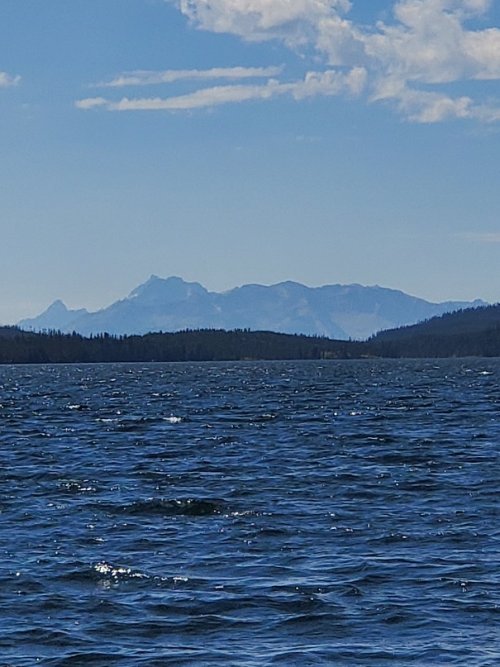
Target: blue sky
{"x": 234, "y": 141}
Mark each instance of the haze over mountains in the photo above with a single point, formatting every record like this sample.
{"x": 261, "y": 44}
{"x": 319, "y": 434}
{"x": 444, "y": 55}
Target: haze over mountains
{"x": 172, "y": 304}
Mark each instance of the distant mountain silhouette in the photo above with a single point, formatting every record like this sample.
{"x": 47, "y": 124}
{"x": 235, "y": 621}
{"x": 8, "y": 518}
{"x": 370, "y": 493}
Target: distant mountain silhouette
{"x": 56, "y": 317}
{"x": 172, "y": 304}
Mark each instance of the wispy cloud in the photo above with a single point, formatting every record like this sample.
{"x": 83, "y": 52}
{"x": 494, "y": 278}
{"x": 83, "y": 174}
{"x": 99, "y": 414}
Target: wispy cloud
{"x": 150, "y": 77}
{"x": 7, "y": 80}
{"x": 91, "y": 103}
{"x": 326, "y": 83}
{"x": 428, "y": 43}
{"x": 481, "y": 237}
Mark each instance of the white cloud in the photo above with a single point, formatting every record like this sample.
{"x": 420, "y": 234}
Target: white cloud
{"x": 331, "y": 82}
{"x": 91, "y": 103}
{"x": 315, "y": 83}
{"x": 422, "y": 106}
{"x": 427, "y": 44}
{"x": 148, "y": 77}
{"x": 253, "y": 20}
{"x": 7, "y": 80}
{"x": 206, "y": 97}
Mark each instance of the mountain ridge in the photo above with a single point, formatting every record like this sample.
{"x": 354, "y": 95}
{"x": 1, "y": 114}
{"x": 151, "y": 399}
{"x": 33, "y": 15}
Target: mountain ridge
{"x": 173, "y": 304}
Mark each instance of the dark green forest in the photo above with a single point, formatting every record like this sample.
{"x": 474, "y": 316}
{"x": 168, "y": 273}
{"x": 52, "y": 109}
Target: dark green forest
{"x": 471, "y": 332}
{"x": 17, "y": 346}
{"x": 467, "y": 321}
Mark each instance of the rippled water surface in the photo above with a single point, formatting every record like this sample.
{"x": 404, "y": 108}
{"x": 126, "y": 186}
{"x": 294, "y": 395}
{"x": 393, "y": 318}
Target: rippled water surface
{"x": 338, "y": 513}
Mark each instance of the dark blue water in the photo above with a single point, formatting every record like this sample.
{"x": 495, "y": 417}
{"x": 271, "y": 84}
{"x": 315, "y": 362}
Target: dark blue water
{"x": 339, "y": 513}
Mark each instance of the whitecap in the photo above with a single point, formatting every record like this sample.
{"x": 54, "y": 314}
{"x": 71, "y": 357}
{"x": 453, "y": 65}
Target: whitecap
{"x": 118, "y": 572}
{"x": 172, "y": 419}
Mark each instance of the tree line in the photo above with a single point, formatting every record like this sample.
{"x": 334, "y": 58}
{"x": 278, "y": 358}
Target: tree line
{"x": 471, "y": 332}
{"x": 18, "y": 346}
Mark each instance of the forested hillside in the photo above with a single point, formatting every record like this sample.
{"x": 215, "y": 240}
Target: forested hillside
{"x": 471, "y": 332}
{"x": 460, "y": 322}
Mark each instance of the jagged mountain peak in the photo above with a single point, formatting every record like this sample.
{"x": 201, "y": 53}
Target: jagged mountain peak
{"x": 57, "y": 306}
{"x": 57, "y": 316}
{"x": 166, "y": 290}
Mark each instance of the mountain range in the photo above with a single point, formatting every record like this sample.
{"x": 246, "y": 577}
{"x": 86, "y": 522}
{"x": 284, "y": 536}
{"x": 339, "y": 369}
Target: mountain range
{"x": 172, "y": 304}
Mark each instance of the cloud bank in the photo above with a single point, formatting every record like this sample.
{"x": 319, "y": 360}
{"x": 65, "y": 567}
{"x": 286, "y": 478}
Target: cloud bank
{"x": 427, "y": 44}
{"x": 410, "y": 61}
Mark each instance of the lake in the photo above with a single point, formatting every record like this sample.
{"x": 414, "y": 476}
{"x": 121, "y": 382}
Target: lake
{"x": 248, "y": 514}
